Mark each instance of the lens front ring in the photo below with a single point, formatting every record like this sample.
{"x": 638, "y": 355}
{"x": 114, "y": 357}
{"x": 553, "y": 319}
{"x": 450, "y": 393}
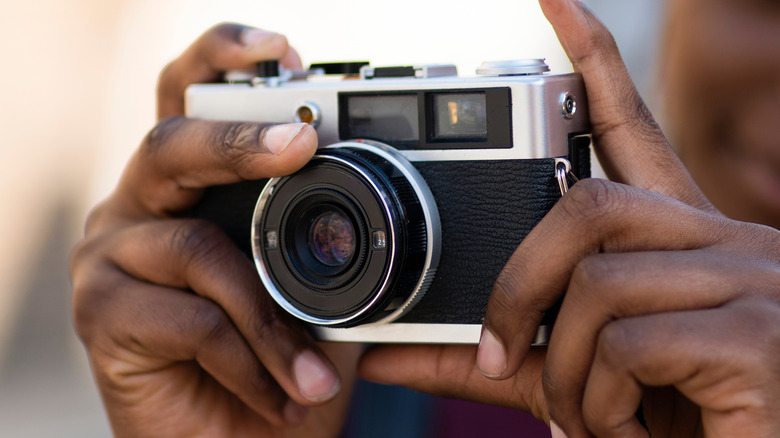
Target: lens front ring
{"x": 418, "y": 259}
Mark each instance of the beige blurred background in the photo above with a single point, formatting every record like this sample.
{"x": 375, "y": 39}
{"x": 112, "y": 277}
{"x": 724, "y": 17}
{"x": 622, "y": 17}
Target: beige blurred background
{"x": 77, "y": 95}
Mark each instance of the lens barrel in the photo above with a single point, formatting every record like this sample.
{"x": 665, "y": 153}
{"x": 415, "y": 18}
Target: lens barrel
{"x": 351, "y": 238}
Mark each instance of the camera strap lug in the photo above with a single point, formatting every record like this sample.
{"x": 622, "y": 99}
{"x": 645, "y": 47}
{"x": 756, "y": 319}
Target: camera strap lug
{"x": 563, "y": 172}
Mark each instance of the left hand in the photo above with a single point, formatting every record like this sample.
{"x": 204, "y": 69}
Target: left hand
{"x": 661, "y": 290}
{"x": 182, "y": 338}
{"x": 214, "y": 53}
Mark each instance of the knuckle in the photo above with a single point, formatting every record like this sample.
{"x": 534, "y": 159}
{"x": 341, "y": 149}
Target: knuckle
{"x": 213, "y": 322}
{"x": 593, "y": 281}
{"x": 616, "y": 341}
{"x": 160, "y": 136}
{"x": 90, "y": 290}
{"x": 269, "y": 323}
{"x": 236, "y": 143}
{"x": 632, "y": 114}
{"x": 199, "y": 241}
{"x": 590, "y": 278}
{"x": 95, "y": 217}
{"x": 505, "y": 288}
{"x": 92, "y": 277}
{"x": 644, "y": 122}
{"x": 590, "y": 272}
{"x": 80, "y": 257}
{"x": 84, "y": 311}
{"x": 510, "y": 303}
{"x": 592, "y": 199}
{"x": 226, "y": 29}
{"x": 167, "y": 78}
{"x": 506, "y": 297}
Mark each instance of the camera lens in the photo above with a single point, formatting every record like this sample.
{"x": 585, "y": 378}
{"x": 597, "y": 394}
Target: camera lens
{"x": 355, "y": 237}
{"x": 332, "y": 239}
{"x": 324, "y": 238}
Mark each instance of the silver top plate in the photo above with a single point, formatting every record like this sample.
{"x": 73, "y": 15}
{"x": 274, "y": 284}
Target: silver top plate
{"x": 539, "y": 129}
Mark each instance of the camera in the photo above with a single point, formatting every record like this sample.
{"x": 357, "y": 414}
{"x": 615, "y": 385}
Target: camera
{"x": 424, "y": 184}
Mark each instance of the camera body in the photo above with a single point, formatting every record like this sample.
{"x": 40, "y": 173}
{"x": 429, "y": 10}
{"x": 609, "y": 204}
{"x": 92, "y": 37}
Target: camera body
{"x": 423, "y": 186}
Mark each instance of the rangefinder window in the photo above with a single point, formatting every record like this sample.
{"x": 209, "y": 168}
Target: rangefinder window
{"x": 424, "y": 119}
{"x": 459, "y": 116}
{"x": 389, "y": 117}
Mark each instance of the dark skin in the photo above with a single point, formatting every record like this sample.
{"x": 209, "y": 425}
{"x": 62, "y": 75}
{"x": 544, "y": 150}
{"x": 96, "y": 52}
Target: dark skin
{"x": 665, "y": 299}
{"x": 182, "y": 338}
{"x": 661, "y": 290}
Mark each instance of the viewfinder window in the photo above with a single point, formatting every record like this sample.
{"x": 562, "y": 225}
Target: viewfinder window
{"x": 460, "y": 116}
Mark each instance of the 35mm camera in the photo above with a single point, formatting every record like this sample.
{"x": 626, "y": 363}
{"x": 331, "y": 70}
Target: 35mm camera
{"x": 424, "y": 184}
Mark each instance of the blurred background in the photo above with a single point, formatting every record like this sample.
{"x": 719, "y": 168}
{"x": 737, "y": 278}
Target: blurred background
{"x": 77, "y": 95}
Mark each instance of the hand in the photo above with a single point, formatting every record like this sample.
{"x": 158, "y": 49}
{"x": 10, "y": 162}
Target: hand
{"x": 182, "y": 338}
{"x": 660, "y": 290}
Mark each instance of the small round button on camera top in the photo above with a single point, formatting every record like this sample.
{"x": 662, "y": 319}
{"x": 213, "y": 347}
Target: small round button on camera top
{"x": 517, "y": 67}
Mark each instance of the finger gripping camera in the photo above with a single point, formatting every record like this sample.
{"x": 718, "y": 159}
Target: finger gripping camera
{"x": 423, "y": 186}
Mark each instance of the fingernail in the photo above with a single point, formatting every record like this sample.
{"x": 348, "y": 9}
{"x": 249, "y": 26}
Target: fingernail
{"x": 491, "y": 357}
{"x": 253, "y": 37}
{"x": 294, "y": 413}
{"x": 316, "y": 380}
{"x": 556, "y": 431}
{"x": 278, "y": 137}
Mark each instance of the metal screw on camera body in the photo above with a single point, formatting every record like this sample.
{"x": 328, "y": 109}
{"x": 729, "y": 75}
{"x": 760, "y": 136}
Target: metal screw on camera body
{"x": 568, "y": 105}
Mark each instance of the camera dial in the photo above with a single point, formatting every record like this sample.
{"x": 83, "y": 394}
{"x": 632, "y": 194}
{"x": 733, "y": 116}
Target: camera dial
{"x": 352, "y": 238}
{"x": 517, "y": 67}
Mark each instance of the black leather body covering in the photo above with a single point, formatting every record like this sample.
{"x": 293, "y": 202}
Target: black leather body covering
{"x": 486, "y": 209}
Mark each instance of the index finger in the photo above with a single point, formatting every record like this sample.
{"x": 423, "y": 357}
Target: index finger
{"x": 595, "y": 216}
{"x": 628, "y": 142}
{"x": 227, "y": 46}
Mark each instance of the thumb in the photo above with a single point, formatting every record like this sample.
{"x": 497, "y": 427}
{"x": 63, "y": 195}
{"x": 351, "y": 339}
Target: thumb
{"x": 181, "y": 156}
{"x": 451, "y": 371}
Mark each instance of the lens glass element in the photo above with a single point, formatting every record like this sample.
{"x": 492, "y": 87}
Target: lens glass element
{"x": 332, "y": 239}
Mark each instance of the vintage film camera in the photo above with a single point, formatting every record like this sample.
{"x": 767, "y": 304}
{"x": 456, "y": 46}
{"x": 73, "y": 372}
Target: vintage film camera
{"x": 422, "y": 187}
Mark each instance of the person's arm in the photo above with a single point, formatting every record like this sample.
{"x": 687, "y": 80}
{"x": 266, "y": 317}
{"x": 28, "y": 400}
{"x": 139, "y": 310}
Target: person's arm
{"x": 182, "y": 338}
{"x": 662, "y": 295}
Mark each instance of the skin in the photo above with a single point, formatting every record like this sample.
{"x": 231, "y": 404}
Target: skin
{"x": 182, "y": 338}
{"x": 661, "y": 291}
{"x": 665, "y": 300}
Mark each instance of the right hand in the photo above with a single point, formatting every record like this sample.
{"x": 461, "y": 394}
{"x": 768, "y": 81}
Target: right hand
{"x": 182, "y": 338}
{"x": 665, "y": 301}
